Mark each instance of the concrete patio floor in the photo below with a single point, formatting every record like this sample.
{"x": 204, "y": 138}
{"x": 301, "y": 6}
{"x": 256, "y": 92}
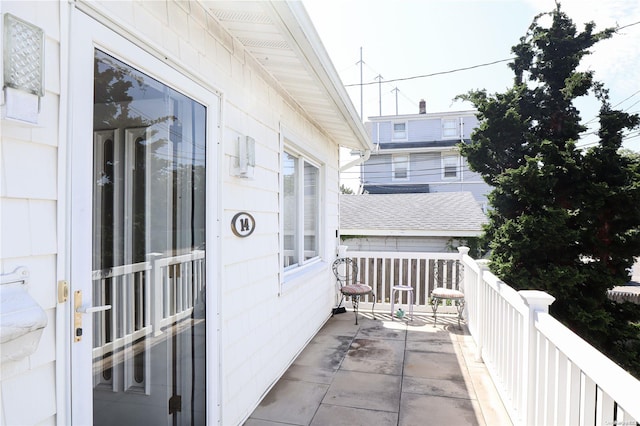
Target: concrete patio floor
{"x": 384, "y": 372}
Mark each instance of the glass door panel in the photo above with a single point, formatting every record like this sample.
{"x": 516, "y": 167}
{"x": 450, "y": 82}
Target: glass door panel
{"x": 148, "y": 257}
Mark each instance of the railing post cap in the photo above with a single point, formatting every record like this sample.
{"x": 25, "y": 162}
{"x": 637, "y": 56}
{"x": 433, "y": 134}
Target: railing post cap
{"x": 483, "y": 263}
{"x": 536, "y": 298}
{"x": 463, "y": 250}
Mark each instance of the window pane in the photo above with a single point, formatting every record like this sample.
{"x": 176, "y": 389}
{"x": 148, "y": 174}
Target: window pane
{"x": 148, "y": 249}
{"x": 399, "y": 130}
{"x": 400, "y": 167}
{"x": 450, "y": 166}
{"x": 449, "y": 128}
{"x": 311, "y": 204}
{"x": 290, "y": 209}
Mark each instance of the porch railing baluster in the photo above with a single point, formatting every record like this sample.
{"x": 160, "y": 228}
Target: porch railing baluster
{"x": 544, "y": 373}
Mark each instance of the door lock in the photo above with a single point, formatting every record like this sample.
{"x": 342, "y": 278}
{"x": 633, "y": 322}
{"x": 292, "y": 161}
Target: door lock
{"x": 78, "y": 310}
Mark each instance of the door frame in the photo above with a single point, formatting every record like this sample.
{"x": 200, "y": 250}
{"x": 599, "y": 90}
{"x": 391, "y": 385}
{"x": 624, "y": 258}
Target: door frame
{"x": 86, "y": 34}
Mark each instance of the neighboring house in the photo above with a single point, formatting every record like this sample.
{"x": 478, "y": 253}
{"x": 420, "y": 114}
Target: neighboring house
{"x": 409, "y": 222}
{"x": 169, "y": 206}
{"x": 417, "y": 153}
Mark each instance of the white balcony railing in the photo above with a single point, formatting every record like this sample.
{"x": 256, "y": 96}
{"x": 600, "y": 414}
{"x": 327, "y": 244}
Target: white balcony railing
{"x": 423, "y": 271}
{"x": 147, "y": 300}
{"x": 544, "y": 372}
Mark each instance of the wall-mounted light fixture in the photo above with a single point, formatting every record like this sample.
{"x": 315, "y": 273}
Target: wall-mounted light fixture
{"x": 23, "y": 63}
{"x": 243, "y": 164}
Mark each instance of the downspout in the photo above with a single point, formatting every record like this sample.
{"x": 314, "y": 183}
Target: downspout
{"x": 364, "y": 156}
{"x": 461, "y": 162}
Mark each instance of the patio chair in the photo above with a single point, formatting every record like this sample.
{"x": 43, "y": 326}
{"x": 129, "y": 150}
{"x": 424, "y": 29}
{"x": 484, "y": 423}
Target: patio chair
{"x": 454, "y": 294}
{"x": 346, "y": 272}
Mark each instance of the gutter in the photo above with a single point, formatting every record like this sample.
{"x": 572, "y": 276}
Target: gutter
{"x": 364, "y": 156}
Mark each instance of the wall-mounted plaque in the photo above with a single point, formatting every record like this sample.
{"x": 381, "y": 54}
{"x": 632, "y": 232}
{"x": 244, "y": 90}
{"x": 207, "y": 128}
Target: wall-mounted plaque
{"x": 243, "y": 224}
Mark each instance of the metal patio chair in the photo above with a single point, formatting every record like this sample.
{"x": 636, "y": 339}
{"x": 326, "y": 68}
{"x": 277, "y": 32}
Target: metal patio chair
{"x": 346, "y": 273}
{"x": 454, "y": 294}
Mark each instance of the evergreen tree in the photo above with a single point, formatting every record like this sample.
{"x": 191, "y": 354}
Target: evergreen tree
{"x": 563, "y": 220}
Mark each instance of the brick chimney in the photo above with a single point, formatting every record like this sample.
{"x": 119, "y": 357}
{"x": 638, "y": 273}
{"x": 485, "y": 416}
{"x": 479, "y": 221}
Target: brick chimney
{"x": 423, "y": 106}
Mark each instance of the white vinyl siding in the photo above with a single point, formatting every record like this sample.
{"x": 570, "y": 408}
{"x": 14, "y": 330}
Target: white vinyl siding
{"x": 399, "y": 244}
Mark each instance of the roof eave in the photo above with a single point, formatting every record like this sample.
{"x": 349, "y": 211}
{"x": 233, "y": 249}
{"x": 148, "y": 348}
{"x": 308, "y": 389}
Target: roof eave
{"x": 301, "y": 33}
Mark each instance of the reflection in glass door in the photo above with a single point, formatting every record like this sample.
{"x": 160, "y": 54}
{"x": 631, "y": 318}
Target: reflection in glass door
{"x": 148, "y": 250}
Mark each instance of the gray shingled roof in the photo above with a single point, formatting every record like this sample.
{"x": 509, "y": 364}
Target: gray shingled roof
{"x": 454, "y": 214}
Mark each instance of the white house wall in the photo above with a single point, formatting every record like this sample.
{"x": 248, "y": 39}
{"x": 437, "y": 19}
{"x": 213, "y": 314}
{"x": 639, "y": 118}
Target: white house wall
{"x": 29, "y": 194}
{"x": 399, "y": 244}
{"x": 266, "y": 322}
{"x": 265, "y": 319}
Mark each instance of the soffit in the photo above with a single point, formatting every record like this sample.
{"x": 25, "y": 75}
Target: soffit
{"x": 281, "y": 38}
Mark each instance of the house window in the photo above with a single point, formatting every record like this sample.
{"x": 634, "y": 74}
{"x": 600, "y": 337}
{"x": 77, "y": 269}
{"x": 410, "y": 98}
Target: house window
{"x": 400, "y": 131}
{"x": 450, "y": 166}
{"x": 301, "y": 210}
{"x": 400, "y": 166}
{"x": 450, "y": 128}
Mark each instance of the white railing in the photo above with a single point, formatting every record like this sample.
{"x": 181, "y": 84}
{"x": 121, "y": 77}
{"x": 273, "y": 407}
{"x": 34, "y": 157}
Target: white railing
{"x": 146, "y": 296}
{"x": 423, "y": 271}
{"x": 545, "y": 373}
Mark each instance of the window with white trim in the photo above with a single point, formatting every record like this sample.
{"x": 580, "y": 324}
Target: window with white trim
{"x": 399, "y": 131}
{"x": 301, "y": 210}
{"x": 450, "y": 128}
{"x": 450, "y": 164}
{"x": 400, "y": 167}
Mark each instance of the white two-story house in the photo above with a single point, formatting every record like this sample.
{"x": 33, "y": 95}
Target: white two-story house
{"x": 418, "y": 153}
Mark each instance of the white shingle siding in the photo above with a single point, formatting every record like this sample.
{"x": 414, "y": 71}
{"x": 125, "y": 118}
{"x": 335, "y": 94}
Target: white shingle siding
{"x": 28, "y": 223}
{"x": 259, "y": 319}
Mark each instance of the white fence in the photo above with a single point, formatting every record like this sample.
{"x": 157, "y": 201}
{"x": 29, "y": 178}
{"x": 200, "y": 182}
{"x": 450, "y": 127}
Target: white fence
{"x": 423, "y": 271}
{"x": 545, "y": 373}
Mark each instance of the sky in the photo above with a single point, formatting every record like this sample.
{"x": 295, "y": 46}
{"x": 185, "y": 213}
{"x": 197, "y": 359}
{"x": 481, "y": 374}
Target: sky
{"x": 403, "y": 40}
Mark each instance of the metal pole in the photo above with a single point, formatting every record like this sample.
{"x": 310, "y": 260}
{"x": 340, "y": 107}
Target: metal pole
{"x": 379, "y": 78}
{"x": 361, "y": 83}
{"x": 396, "y": 90}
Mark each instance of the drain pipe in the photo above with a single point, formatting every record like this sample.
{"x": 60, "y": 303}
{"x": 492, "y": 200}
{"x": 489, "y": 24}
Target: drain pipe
{"x": 461, "y": 162}
{"x": 364, "y": 156}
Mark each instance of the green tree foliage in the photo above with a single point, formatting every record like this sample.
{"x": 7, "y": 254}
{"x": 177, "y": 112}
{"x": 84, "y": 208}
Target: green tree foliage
{"x": 563, "y": 220}
{"x": 345, "y": 189}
